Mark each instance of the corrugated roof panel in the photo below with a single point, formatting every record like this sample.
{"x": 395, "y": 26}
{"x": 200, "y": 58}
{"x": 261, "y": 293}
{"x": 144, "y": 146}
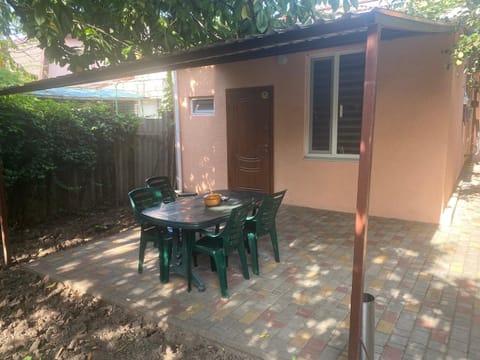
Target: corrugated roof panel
{"x": 87, "y": 94}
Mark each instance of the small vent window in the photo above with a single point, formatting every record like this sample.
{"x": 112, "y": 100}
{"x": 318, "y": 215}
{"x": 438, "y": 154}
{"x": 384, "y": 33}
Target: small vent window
{"x": 203, "y": 106}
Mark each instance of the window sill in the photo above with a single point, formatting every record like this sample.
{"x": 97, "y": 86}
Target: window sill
{"x": 326, "y": 157}
{"x": 203, "y": 113}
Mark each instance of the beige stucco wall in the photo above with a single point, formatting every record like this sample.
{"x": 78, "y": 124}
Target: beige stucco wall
{"x": 414, "y": 131}
{"x": 418, "y": 144}
{"x": 203, "y": 137}
{"x": 459, "y": 134}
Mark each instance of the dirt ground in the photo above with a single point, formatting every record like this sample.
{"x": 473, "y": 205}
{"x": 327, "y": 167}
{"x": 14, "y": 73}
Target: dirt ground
{"x": 43, "y": 319}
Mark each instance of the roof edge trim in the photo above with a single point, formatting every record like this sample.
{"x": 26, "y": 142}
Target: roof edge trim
{"x": 399, "y": 21}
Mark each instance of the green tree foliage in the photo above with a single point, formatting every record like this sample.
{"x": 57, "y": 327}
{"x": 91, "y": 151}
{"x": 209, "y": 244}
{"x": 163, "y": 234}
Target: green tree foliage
{"x": 53, "y": 152}
{"x": 38, "y": 137}
{"x": 465, "y": 15}
{"x": 8, "y": 20}
{"x": 9, "y": 78}
{"x": 119, "y": 30}
{"x": 166, "y": 106}
{"x": 11, "y": 73}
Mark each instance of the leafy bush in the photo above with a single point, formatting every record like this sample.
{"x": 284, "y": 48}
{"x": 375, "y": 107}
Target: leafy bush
{"x": 39, "y": 136}
{"x": 40, "y": 139}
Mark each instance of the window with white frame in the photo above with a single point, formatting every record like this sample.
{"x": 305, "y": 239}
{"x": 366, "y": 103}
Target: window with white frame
{"x": 202, "y": 106}
{"x": 336, "y": 98}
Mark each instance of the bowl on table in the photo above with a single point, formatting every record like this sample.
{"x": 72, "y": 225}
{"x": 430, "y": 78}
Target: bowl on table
{"x": 212, "y": 199}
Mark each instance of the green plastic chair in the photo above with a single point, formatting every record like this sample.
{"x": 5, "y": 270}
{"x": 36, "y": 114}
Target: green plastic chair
{"x": 164, "y": 184}
{"x": 141, "y": 199}
{"x": 220, "y": 245}
{"x": 263, "y": 223}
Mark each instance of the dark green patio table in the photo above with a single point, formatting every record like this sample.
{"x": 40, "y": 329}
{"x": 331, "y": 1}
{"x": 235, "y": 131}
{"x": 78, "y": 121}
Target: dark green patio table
{"x": 189, "y": 215}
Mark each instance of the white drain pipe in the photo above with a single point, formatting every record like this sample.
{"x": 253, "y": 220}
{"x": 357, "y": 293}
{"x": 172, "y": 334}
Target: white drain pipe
{"x": 178, "y": 141}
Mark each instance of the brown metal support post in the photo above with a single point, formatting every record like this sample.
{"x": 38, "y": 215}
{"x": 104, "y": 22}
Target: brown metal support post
{"x": 3, "y": 219}
{"x": 363, "y": 191}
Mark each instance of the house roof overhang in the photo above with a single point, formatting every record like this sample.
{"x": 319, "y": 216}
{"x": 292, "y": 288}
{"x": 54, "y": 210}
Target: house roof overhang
{"x": 347, "y": 30}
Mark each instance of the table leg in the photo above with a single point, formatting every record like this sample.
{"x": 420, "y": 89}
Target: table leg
{"x": 164, "y": 254}
{"x": 181, "y": 263}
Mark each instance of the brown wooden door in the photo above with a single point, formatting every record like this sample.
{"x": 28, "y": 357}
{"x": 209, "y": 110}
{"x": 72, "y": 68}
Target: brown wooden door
{"x": 250, "y": 138}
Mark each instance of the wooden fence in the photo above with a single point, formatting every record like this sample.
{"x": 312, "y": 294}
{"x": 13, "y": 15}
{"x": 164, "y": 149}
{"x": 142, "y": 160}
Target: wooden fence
{"x": 155, "y": 150}
{"x": 151, "y": 152}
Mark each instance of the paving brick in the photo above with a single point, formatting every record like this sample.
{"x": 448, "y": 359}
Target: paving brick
{"x": 392, "y": 353}
{"x": 399, "y": 341}
{"x": 301, "y": 338}
{"x": 459, "y": 334}
{"x": 330, "y": 353}
{"x": 249, "y": 317}
{"x": 458, "y": 346}
{"x": 313, "y": 348}
{"x": 437, "y": 346}
{"x": 339, "y": 340}
{"x": 390, "y": 316}
{"x": 381, "y": 338}
{"x": 420, "y": 336}
{"x": 440, "y": 336}
{"x": 431, "y": 354}
{"x": 385, "y": 327}
{"x": 456, "y": 355}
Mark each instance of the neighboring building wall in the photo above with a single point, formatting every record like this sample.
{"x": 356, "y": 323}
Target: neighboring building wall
{"x": 151, "y": 86}
{"x": 54, "y": 69}
{"x": 414, "y": 131}
{"x": 149, "y": 108}
{"x": 29, "y": 56}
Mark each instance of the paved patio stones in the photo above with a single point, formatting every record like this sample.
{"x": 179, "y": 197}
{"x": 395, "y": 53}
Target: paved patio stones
{"x": 425, "y": 279}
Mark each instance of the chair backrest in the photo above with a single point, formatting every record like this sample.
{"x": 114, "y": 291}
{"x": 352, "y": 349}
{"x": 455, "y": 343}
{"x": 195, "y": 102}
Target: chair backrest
{"x": 234, "y": 231}
{"x": 143, "y": 198}
{"x": 164, "y": 184}
{"x": 266, "y": 214}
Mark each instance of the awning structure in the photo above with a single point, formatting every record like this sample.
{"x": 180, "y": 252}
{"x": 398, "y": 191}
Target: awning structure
{"x": 367, "y": 28}
{"x": 349, "y": 29}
